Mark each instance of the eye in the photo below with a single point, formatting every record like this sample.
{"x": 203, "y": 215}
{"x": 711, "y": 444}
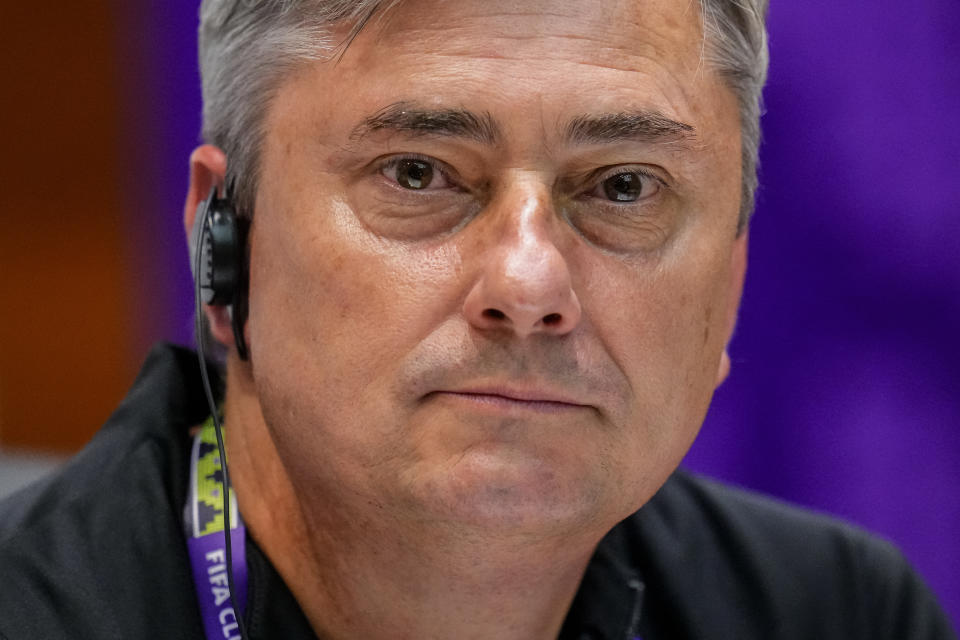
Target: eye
{"x": 415, "y": 174}
{"x": 627, "y": 208}
{"x": 627, "y": 186}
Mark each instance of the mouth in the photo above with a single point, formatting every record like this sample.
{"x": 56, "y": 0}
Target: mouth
{"x": 511, "y": 400}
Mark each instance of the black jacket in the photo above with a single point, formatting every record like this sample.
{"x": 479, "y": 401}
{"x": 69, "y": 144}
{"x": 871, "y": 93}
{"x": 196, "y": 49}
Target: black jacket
{"x": 97, "y": 551}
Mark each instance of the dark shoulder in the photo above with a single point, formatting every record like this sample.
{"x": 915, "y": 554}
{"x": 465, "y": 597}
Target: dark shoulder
{"x": 752, "y": 566}
{"x": 91, "y": 548}
{"x": 712, "y": 514}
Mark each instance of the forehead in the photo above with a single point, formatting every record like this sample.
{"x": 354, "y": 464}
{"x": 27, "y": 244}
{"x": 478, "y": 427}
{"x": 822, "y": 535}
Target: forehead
{"x": 609, "y": 34}
{"x": 531, "y": 67}
{"x": 612, "y": 44}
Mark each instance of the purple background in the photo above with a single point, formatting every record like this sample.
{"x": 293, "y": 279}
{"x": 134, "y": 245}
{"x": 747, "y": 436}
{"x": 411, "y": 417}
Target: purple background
{"x": 844, "y": 393}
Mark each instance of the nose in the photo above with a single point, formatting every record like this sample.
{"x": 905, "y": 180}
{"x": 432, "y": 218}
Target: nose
{"x": 524, "y": 284}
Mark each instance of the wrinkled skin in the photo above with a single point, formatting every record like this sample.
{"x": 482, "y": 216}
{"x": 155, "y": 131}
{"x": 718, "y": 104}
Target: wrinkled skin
{"x": 504, "y": 358}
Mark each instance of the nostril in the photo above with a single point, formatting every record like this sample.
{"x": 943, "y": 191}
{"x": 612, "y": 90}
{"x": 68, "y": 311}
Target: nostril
{"x": 494, "y": 314}
{"x": 552, "y": 318}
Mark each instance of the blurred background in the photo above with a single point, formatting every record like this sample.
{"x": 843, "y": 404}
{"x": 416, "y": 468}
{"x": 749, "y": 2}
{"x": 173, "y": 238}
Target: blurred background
{"x": 845, "y": 391}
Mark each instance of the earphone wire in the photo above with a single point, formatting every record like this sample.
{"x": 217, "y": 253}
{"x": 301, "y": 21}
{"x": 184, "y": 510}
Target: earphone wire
{"x": 204, "y": 374}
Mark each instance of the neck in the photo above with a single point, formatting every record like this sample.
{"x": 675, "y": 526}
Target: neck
{"x": 359, "y": 571}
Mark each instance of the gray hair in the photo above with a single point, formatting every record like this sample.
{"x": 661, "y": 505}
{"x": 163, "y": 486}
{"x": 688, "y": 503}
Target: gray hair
{"x": 735, "y": 36}
{"x": 248, "y": 46}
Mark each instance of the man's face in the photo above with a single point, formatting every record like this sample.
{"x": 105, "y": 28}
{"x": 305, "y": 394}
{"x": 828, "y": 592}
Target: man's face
{"x": 494, "y": 261}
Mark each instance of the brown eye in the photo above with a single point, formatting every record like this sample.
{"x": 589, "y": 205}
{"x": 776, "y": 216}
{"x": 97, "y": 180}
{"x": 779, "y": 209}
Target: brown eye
{"x": 414, "y": 174}
{"x": 624, "y": 187}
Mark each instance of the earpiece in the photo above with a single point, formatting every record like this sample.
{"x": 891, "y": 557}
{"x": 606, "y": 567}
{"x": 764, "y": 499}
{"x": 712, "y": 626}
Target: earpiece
{"x": 219, "y": 234}
{"x": 217, "y": 258}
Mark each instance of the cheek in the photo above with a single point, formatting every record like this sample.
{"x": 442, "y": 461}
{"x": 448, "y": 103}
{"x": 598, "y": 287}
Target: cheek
{"x": 666, "y": 335}
{"x": 334, "y": 310}
{"x": 323, "y": 278}
{"x": 664, "y": 328}
{"x": 323, "y": 335}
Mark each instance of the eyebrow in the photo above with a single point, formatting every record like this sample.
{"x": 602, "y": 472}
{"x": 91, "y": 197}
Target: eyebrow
{"x": 645, "y": 126}
{"x": 637, "y": 126}
{"x": 406, "y": 117}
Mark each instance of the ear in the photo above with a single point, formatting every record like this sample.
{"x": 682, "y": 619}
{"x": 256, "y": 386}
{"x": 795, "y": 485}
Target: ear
{"x": 738, "y": 271}
{"x": 208, "y": 167}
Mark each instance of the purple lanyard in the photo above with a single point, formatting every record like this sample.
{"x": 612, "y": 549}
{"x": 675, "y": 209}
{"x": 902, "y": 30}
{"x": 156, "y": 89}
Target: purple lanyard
{"x": 203, "y": 524}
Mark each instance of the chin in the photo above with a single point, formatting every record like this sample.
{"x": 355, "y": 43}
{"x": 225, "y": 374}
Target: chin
{"x": 507, "y": 493}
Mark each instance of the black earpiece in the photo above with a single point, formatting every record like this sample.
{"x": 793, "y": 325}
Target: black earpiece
{"x": 218, "y": 243}
{"x": 219, "y": 234}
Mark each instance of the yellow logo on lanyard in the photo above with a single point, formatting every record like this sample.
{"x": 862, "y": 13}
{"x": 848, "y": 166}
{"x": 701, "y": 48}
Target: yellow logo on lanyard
{"x": 206, "y": 482}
